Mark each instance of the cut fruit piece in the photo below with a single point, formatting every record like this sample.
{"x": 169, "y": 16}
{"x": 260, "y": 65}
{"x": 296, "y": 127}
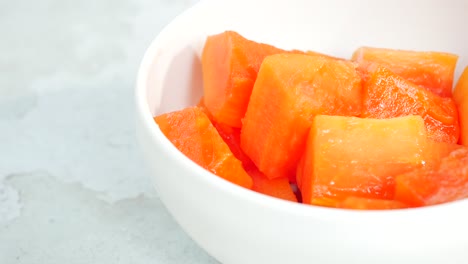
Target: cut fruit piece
{"x": 388, "y": 95}
{"x": 431, "y": 70}
{"x": 428, "y": 186}
{"x": 351, "y": 156}
{"x": 460, "y": 95}
{"x": 278, "y": 187}
{"x": 191, "y": 131}
{"x": 359, "y": 203}
{"x": 230, "y": 64}
{"x": 290, "y": 90}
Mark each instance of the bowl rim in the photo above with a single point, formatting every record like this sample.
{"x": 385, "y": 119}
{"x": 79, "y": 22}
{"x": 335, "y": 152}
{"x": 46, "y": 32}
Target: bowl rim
{"x": 144, "y": 115}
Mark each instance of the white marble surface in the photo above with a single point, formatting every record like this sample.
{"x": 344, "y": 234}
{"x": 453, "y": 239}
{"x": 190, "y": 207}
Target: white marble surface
{"x": 73, "y": 186}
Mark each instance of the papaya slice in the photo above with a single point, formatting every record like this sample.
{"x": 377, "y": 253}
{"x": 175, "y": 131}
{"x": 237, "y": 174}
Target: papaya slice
{"x": 191, "y": 131}
{"x": 230, "y": 64}
{"x": 352, "y": 156}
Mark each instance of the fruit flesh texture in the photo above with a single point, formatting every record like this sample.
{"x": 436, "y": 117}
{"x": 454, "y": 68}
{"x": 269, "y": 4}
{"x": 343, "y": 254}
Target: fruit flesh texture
{"x": 436, "y": 151}
{"x": 340, "y": 161}
{"x": 431, "y": 70}
{"x": 290, "y": 90}
{"x": 433, "y": 154}
{"x": 448, "y": 182}
{"x": 460, "y": 95}
{"x": 191, "y": 131}
{"x": 230, "y": 64}
{"x": 388, "y": 95}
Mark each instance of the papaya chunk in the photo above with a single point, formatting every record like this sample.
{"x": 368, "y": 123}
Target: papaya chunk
{"x": 352, "y": 156}
{"x": 191, "y": 131}
{"x": 431, "y": 70}
{"x": 388, "y": 95}
{"x": 289, "y": 91}
{"x": 230, "y": 64}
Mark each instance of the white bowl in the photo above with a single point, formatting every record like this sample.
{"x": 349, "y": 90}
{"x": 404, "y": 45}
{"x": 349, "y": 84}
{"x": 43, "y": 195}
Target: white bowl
{"x": 236, "y": 225}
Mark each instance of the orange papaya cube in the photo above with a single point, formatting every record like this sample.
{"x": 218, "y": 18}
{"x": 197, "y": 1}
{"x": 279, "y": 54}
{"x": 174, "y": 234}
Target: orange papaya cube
{"x": 278, "y": 187}
{"x": 430, "y": 186}
{"x": 460, "y": 95}
{"x": 352, "y": 156}
{"x": 431, "y": 70}
{"x": 388, "y": 95}
{"x": 289, "y": 91}
{"x": 230, "y": 64}
{"x": 192, "y": 133}
{"x": 359, "y": 203}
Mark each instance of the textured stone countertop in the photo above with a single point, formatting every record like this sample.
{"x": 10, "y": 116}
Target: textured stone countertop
{"x": 73, "y": 186}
